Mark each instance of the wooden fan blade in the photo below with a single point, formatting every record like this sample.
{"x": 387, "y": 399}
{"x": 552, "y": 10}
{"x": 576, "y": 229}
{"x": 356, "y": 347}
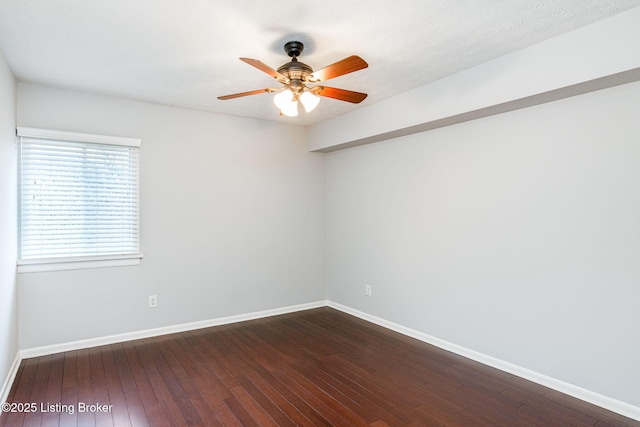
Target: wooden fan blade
{"x": 265, "y": 68}
{"x": 340, "y": 68}
{"x": 251, "y": 92}
{"x": 341, "y": 94}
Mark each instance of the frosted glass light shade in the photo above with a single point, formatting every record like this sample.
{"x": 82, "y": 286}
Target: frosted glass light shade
{"x": 285, "y": 102}
{"x": 309, "y": 101}
{"x": 291, "y": 109}
{"x": 283, "y": 98}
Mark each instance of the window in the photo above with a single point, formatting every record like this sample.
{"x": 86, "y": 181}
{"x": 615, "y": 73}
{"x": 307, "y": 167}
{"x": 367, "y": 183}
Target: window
{"x": 79, "y": 200}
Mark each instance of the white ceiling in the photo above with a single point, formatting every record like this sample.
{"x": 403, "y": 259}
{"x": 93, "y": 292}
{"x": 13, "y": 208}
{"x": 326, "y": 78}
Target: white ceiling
{"x": 185, "y": 52}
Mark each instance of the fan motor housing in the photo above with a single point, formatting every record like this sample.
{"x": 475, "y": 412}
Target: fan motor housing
{"x": 296, "y": 70}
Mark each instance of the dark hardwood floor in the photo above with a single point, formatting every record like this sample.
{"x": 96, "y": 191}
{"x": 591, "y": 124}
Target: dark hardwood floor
{"x": 317, "y": 367}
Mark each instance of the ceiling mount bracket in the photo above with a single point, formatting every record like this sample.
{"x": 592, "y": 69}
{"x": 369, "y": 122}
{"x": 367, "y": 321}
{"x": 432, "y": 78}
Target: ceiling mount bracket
{"x": 293, "y": 48}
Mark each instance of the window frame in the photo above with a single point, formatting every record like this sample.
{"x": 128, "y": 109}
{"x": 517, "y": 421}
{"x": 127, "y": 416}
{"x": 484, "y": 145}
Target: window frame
{"x": 75, "y": 262}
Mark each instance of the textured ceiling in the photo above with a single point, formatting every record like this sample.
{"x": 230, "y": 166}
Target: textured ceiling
{"x": 185, "y": 52}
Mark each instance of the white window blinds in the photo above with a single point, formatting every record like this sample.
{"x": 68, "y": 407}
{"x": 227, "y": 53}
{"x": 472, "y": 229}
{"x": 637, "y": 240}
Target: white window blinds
{"x": 78, "y": 195}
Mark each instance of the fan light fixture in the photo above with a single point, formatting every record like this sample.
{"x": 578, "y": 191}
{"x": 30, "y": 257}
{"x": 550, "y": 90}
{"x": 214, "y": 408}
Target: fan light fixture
{"x": 296, "y": 76}
{"x": 287, "y": 101}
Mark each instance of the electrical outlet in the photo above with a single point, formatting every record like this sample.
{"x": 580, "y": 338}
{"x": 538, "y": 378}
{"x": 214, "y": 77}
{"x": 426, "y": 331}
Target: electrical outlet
{"x": 367, "y": 290}
{"x": 153, "y": 301}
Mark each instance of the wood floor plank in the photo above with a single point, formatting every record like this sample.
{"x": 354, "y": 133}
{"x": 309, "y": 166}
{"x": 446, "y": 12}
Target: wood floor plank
{"x": 330, "y": 408}
{"x": 69, "y": 389}
{"x": 177, "y": 359}
{"x": 142, "y": 385}
{"x": 39, "y": 390}
{"x": 345, "y": 395}
{"x": 292, "y": 397}
{"x": 135, "y": 409}
{"x": 269, "y": 388}
{"x": 174, "y": 387}
{"x": 22, "y": 391}
{"x": 312, "y": 368}
{"x": 240, "y": 412}
{"x": 84, "y": 388}
{"x": 54, "y": 390}
{"x": 99, "y": 386}
{"x": 150, "y": 359}
{"x": 375, "y": 394}
{"x": 252, "y": 407}
{"x": 265, "y": 403}
{"x": 114, "y": 388}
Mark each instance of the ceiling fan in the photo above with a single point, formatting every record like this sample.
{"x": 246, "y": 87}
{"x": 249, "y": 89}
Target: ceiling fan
{"x": 298, "y": 81}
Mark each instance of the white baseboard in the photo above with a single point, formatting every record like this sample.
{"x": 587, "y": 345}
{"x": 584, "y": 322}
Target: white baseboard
{"x": 130, "y": 336}
{"x": 597, "y": 399}
{"x": 8, "y": 382}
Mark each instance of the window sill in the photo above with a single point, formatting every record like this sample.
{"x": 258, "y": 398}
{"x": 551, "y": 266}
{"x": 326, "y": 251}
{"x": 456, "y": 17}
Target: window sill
{"x": 62, "y": 264}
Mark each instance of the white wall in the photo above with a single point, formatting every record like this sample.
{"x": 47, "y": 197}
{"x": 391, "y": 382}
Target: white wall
{"x": 232, "y": 221}
{"x": 8, "y": 208}
{"x": 516, "y": 236}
